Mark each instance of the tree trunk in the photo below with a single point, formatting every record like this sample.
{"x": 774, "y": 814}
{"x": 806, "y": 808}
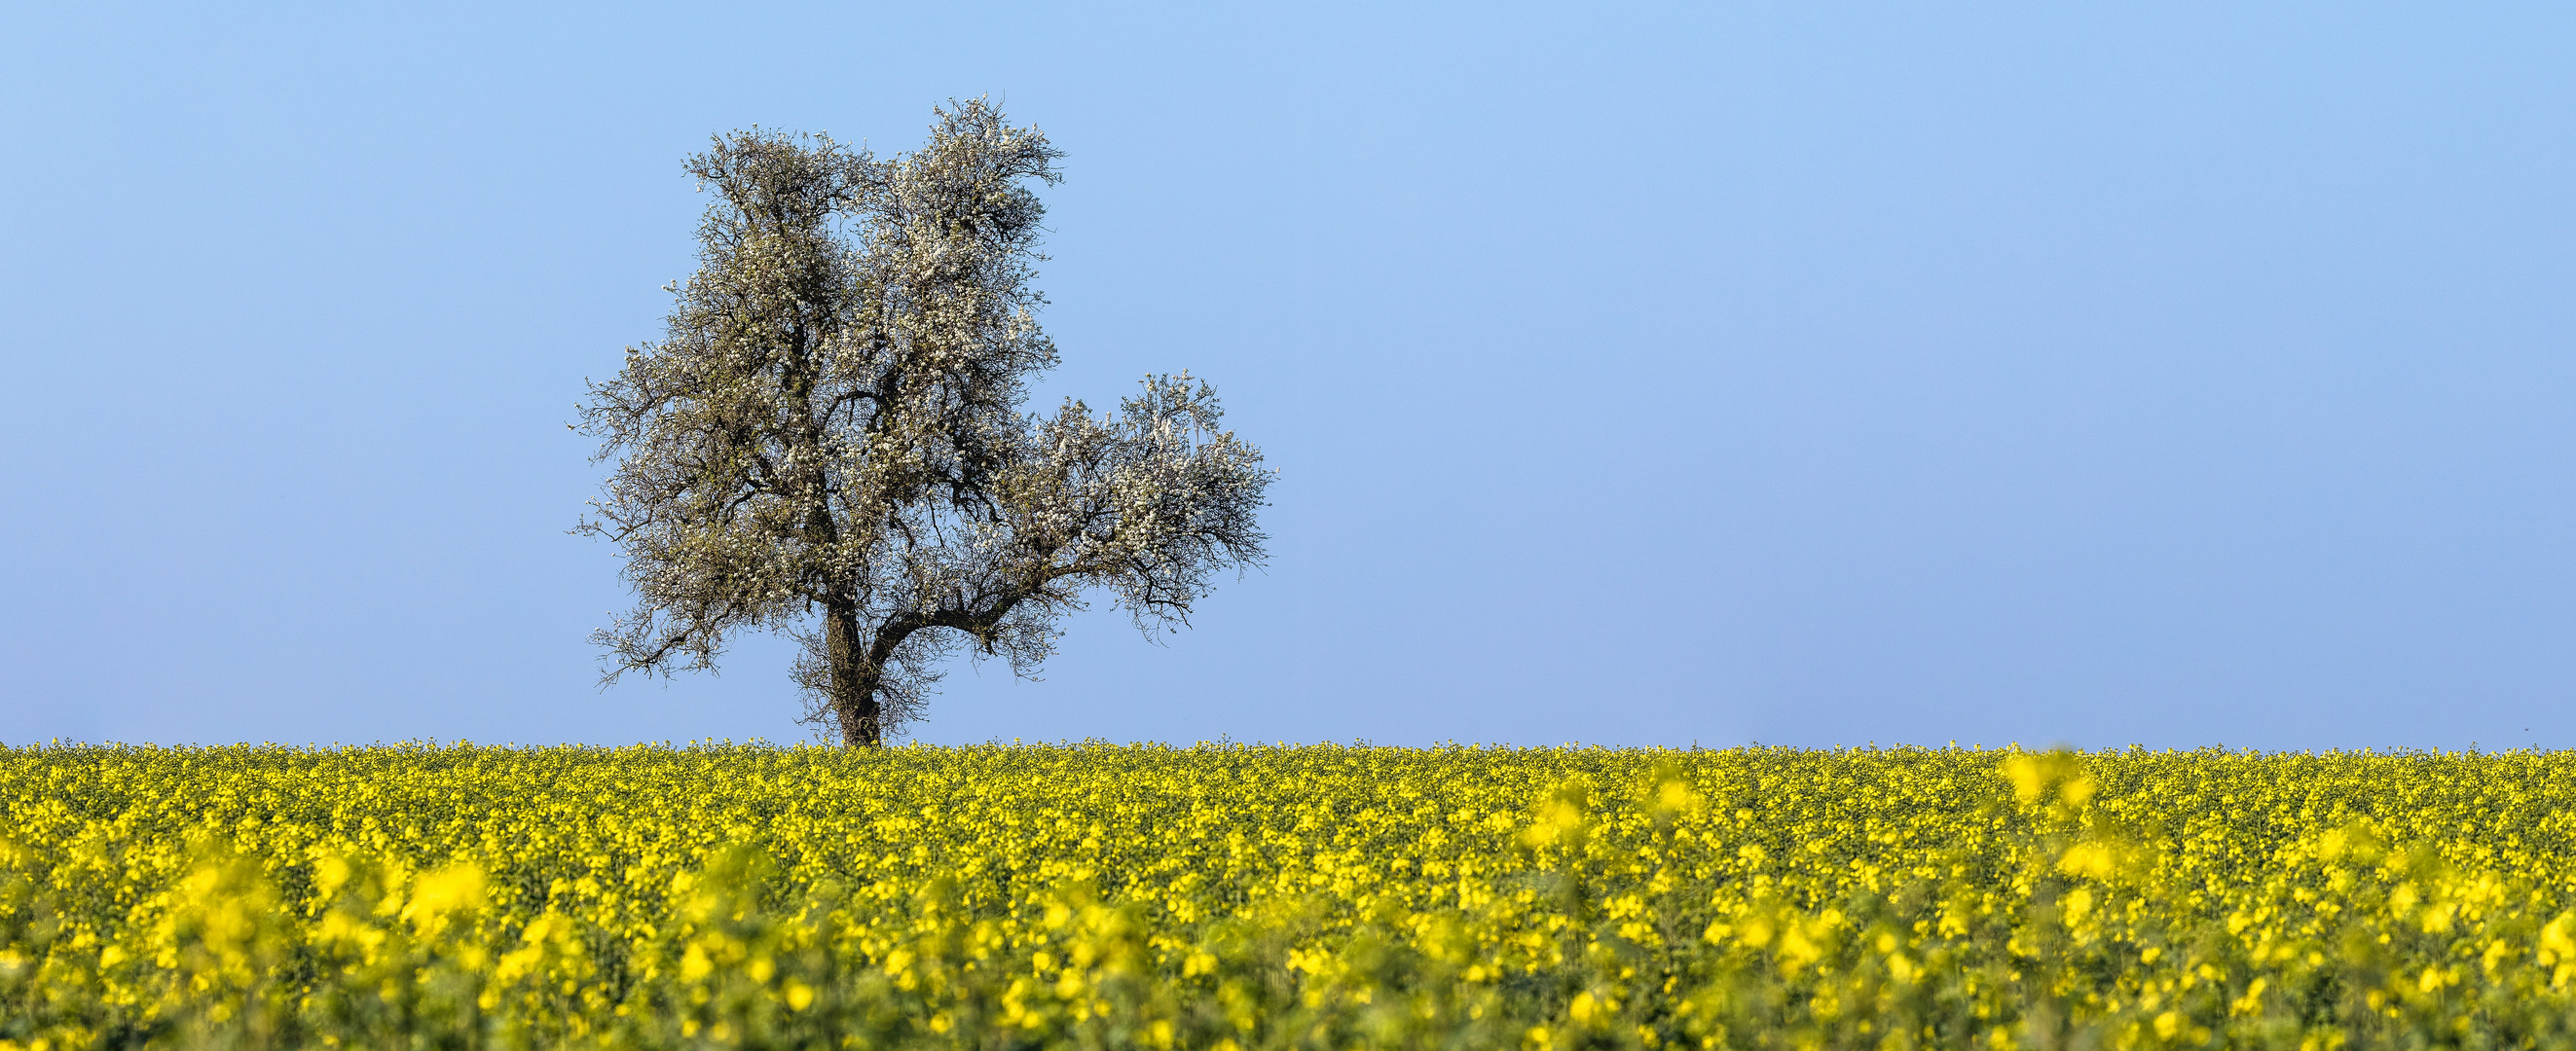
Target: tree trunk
{"x": 854, "y": 680}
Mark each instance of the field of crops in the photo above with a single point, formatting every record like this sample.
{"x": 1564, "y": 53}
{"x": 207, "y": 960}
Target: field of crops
{"x": 1257, "y": 897}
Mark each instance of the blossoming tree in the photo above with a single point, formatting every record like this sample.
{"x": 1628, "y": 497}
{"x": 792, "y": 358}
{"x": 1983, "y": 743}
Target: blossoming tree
{"x": 829, "y": 441}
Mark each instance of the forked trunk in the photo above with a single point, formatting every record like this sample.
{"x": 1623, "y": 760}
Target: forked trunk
{"x": 854, "y": 679}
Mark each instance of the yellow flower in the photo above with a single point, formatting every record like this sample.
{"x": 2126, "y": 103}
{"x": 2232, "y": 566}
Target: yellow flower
{"x": 435, "y": 895}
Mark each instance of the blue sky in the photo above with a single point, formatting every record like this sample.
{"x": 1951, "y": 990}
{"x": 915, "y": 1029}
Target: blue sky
{"x": 2181, "y": 374}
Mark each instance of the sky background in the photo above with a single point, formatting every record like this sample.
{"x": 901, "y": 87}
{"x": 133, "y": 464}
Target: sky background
{"x": 2181, "y": 375}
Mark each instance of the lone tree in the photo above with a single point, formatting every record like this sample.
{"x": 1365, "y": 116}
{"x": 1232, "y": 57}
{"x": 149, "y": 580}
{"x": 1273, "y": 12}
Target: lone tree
{"x": 831, "y": 430}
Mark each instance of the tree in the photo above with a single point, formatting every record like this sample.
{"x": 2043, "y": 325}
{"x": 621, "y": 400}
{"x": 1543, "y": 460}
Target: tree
{"x": 828, "y": 440}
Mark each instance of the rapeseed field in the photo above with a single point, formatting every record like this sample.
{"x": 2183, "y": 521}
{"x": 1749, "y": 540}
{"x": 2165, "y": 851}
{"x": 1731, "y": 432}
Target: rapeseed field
{"x": 1245, "y": 897}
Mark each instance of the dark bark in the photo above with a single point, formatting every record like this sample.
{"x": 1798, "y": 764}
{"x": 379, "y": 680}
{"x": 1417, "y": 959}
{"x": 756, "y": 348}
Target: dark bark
{"x": 858, "y": 673}
{"x": 854, "y": 678}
